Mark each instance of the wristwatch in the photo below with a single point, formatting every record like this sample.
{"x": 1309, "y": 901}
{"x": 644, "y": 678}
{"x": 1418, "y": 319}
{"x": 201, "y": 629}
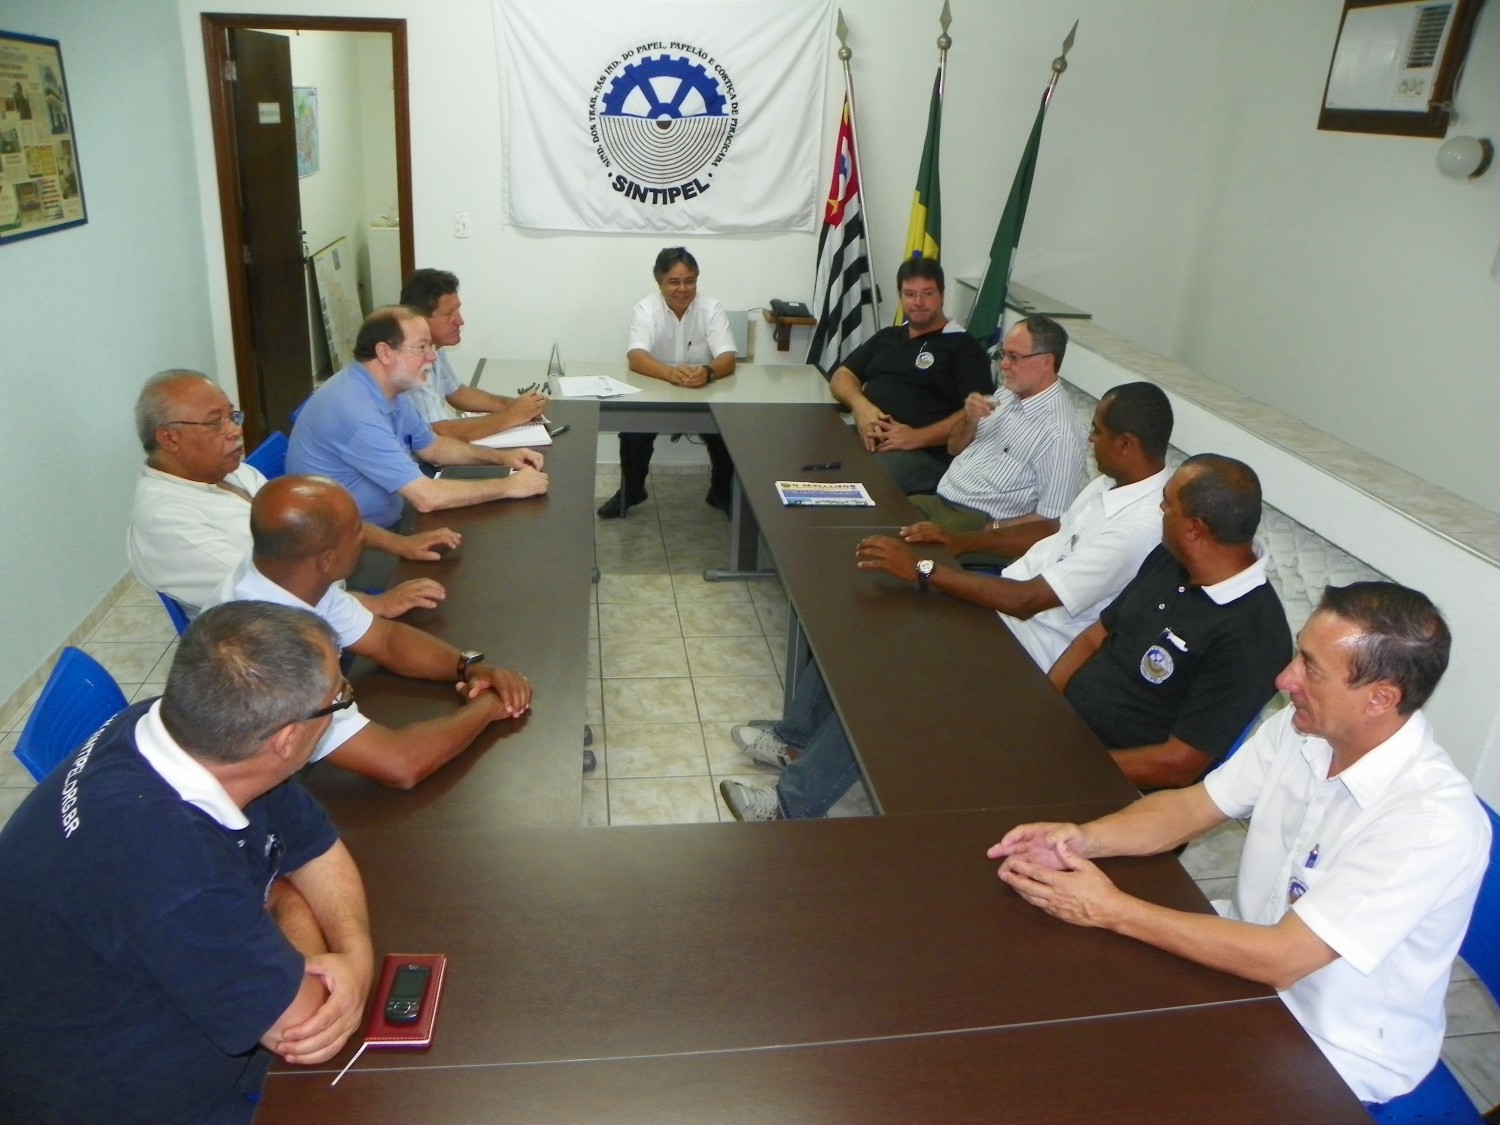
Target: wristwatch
{"x": 708, "y": 373}
{"x": 467, "y": 659}
{"x": 924, "y": 573}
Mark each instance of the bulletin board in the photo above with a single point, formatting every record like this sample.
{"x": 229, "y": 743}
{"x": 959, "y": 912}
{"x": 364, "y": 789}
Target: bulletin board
{"x": 41, "y": 187}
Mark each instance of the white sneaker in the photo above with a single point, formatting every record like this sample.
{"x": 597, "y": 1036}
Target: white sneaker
{"x": 748, "y": 803}
{"x": 761, "y": 745}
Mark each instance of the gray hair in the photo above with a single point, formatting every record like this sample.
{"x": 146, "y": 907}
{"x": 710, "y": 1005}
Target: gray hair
{"x": 153, "y": 407}
{"x": 1404, "y": 639}
{"x": 244, "y": 670}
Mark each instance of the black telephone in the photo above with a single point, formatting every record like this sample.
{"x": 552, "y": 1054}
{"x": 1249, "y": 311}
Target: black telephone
{"x": 794, "y": 309}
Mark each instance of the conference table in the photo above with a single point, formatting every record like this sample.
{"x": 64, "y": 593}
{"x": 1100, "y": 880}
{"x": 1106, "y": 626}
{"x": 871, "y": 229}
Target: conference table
{"x": 657, "y": 406}
{"x": 865, "y": 969}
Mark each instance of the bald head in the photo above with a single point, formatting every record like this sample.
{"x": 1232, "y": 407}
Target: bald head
{"x": 297, "y": 518}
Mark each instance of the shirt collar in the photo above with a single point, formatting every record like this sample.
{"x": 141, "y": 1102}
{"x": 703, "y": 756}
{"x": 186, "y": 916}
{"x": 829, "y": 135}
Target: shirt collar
{"x": 251, "y": 582}
{"x": 1042, "y": 400}
{"x": 1236, "y": 586}
{"x": 363, "y": 377}
{"x": 1123, "y": 495}
{"x": 184, "y": 773}
{"x": 1369, "y": 777}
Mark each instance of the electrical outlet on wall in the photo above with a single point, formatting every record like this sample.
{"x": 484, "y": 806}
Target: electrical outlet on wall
{"x": 461, "y": 225}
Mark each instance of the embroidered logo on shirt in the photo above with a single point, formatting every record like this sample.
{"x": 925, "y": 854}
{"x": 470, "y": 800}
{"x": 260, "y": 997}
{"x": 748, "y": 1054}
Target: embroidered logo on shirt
{"x": 924, "y": 360}
{"x": 1156, "y": 665}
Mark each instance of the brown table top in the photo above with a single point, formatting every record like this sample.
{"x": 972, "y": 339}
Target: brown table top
{"x": 588, "y": 943}
{"x": 653, "y": 963}
{"x": 1243, "y": 1063}
{"x": 889, "y": 653}
{"x": 518, "y": 590}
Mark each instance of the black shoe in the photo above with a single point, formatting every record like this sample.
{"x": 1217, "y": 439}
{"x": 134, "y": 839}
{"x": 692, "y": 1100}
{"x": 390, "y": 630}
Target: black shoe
{"x": 616, "y": 506}
{"x": 721, "y": 501}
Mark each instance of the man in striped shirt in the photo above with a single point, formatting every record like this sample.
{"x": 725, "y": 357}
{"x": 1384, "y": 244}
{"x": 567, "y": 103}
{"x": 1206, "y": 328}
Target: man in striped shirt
{"x": 1019, "y": 453}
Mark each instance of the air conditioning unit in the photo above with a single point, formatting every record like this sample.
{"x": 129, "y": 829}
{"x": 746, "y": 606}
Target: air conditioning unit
{"x": 1389, "y": 55}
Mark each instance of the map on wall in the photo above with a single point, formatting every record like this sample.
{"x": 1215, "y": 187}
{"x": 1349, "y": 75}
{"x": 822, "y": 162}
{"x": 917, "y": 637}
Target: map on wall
{"x": 305, "y": 115}
{"x": 338, "y": 297}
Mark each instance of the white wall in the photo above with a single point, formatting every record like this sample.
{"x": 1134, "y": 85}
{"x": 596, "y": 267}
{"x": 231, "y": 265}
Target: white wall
{"x": 87, "y": 314}
{"x": 523, "y": 288}
{"x": 1338, "y": 276}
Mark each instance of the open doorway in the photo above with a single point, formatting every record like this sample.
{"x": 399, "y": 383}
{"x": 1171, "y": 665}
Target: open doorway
{"x": 276, "y": 213}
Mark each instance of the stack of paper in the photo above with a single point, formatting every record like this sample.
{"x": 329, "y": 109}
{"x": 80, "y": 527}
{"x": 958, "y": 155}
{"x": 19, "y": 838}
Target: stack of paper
{"x": 593, "y": 386}
{"x": 530, "y": 436}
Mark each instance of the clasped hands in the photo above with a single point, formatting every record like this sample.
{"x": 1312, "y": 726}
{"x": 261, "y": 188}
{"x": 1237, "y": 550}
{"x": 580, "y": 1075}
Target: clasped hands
{"x": 511, "y": 691}
{"x": 1048, "y": 866}
{"x": 883, "y": 434}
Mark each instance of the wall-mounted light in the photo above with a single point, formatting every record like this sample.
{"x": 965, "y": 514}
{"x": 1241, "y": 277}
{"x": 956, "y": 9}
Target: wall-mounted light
{"x": 1464, "y": 158}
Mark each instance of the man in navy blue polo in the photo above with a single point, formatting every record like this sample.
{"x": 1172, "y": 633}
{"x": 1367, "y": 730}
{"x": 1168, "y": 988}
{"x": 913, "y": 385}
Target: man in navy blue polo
{"x": 361, "y": 430}
{"x": 173, "y": 908}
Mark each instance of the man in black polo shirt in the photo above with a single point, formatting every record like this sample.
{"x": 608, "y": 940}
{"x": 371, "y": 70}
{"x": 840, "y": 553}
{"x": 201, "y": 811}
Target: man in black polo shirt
{"x": 1184, "y": 659}
{"x": 174, "y": 909}
{"x": 906, "y": 385}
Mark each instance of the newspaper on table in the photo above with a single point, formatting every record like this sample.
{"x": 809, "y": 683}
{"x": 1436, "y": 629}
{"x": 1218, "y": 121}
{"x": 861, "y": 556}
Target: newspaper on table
{"x": 804, "y": 494}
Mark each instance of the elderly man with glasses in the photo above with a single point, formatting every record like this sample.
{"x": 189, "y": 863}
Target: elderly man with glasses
{"x": 360, "y": 430}
{"x": 306, "y": 533}
{"x": 1018, "y": 455}
{"x": 190, "y": 521}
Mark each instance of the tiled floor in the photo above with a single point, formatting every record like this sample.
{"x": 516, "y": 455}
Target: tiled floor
{"x": 674, "y": 663}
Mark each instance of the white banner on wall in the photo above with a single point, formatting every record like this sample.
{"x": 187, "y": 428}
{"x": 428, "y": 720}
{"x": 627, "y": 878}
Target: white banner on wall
{"x": 696, "y": 117}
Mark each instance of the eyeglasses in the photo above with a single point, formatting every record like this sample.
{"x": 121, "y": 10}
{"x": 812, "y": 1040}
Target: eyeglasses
{"x": 233, "y": 418}
{"x": 419, "y": 348}
{"x": 680, "y": 282}
{"x": 344, "y": 699}
{"x": 341, "y": 701}
{"x": 1016, "y": 357}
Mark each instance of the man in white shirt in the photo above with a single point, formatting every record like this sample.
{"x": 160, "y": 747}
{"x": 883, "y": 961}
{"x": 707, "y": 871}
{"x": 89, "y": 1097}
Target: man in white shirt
{"x": 434, "y": 294}
{"x": 190, "y": 522}
{"x": 683, "y": 339}
{"x": 306, "y": 532}
{"x": 1363, "y": 858}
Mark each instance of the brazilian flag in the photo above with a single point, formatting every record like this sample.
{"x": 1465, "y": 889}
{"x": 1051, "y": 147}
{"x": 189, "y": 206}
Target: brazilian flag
{"x": 924, "y": 233}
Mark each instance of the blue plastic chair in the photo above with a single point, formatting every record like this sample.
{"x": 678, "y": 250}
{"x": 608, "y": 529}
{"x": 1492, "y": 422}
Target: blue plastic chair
{"x": 80, "y": 697}
{"x": 1439, "y": 1097}
{"x": 175, "y": 610}
{"x": 270, "y": 456}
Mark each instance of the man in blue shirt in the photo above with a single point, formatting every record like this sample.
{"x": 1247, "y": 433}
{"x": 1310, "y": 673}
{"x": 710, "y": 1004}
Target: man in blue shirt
{"x": 173, "y": 908}
{"x": 360, "y": 430}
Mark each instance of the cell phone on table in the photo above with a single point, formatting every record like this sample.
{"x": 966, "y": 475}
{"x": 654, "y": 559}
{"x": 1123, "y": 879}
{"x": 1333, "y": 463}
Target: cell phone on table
{"x": 403, "y": 1004}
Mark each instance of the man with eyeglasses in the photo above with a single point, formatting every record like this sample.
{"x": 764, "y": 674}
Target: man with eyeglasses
{"x": 360, "y": 429}
{"x": 434, "y": 294}
{"x": 190, "y": 522}
{"x": 906, "y": 386}
{"x": 175, "y": 910}
{"x": 306, "y": 533}
{"x": 1018, "y": 455}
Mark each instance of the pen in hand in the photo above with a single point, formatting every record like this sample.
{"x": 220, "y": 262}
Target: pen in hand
{"x": 820, "y": 466}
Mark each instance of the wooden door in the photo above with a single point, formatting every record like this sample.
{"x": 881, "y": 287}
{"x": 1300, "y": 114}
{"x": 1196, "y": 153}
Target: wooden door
{"x": 265, "y": 147}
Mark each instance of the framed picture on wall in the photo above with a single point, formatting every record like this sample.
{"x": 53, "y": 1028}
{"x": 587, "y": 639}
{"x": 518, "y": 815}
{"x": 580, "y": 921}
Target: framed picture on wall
{"x": 41, "y": 187}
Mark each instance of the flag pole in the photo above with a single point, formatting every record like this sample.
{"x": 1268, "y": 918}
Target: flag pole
{"x": 990, "y": 300}
{"x": 845, "y": 54}
{"x": 944, "y": 41}
{"x": 1060, "y": 64}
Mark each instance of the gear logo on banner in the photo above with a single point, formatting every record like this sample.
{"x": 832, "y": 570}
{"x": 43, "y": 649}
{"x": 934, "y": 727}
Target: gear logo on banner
{"x": 662, "y": 118}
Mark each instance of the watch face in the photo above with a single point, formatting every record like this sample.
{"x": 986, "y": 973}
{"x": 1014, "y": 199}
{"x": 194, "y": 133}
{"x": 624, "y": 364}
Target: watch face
{"x": 924, "y": 567}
